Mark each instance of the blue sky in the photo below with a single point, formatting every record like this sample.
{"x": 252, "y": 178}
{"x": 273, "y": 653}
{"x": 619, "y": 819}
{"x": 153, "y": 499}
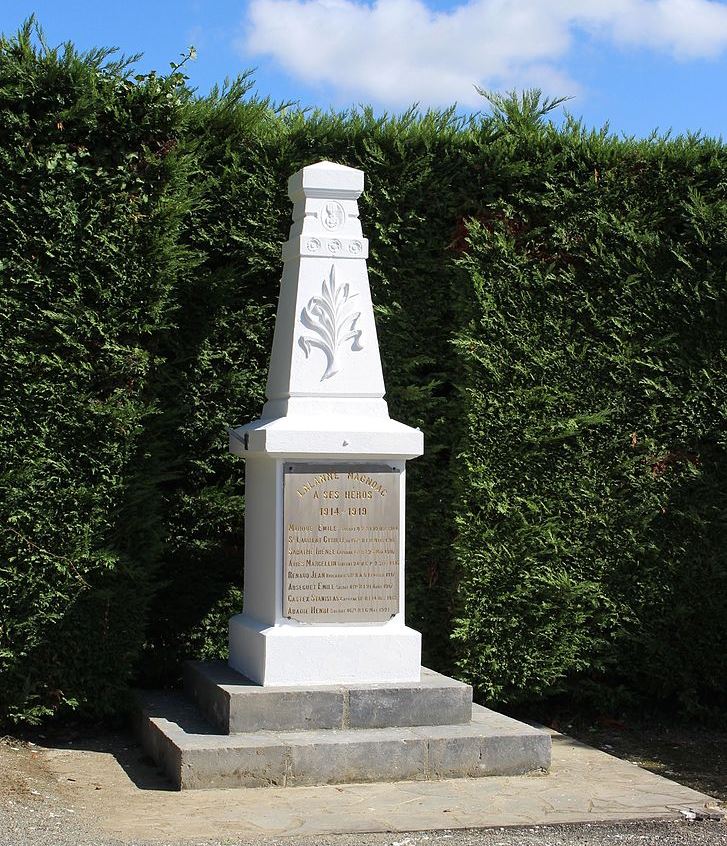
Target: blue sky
{"x": 638, "y": 64}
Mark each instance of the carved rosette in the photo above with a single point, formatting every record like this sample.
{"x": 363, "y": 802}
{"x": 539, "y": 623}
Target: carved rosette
{"x": 314, "y": 246}
{"x": 334, "y": 323}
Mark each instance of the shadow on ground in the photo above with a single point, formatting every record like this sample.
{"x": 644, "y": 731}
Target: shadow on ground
{"x": 119, "y": 743}
{"x": 692, "y": 755}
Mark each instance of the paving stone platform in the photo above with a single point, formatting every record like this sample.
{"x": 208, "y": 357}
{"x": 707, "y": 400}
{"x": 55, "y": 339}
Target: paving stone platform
{"x": 114, "y": 791}
{"x": 229, "y": 732}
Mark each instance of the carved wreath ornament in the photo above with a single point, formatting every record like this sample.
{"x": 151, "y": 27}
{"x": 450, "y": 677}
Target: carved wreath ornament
{"x": 331, "y": 318}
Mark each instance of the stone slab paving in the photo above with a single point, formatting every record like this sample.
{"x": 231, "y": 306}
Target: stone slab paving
{"x": 128, "y": 800}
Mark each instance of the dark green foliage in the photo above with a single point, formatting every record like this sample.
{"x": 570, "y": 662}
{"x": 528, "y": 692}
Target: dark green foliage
{"x": 551, "y": 312}
{"x": 88, "y": 259}
{"x": 593, "y": 498}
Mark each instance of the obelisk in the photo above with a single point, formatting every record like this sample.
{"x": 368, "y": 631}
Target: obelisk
{"x": 325, "y": 468}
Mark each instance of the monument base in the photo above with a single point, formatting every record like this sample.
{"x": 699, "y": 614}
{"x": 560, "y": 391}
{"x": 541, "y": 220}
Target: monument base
{"x": 316, "y": 655}
{"x": 274, "y": 736}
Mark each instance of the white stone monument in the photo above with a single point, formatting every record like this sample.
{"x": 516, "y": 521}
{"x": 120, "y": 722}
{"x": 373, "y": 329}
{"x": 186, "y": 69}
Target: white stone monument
{"x": 324, "y": 684}
{"x": 325, "y": 468}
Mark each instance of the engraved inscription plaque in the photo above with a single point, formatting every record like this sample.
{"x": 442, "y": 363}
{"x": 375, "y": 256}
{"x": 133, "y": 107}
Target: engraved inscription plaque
{"x": 341, "y": 524}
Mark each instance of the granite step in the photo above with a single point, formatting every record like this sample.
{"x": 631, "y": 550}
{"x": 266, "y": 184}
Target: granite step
{"x": 193, "y": 754}
{"x": 234, "y": 704}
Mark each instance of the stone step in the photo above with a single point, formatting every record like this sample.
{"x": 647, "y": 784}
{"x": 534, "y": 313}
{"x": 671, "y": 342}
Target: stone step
{"x": 193, "y": 755}
{"x": 234, "y": 704}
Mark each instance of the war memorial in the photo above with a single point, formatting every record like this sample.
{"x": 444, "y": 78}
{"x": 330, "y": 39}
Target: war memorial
{"x": 324, "y": 683}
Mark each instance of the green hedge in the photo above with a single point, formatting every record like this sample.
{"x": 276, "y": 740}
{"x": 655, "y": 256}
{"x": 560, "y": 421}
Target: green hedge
{"x": 92, "y": 194}
{"x": 550, "y": 306}
{"x": 592, "y": 503}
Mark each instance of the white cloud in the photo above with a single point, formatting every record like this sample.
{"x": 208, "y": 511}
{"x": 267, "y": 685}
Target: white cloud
{"x": 395, "y": 52}
{"x": 687, "y": 29}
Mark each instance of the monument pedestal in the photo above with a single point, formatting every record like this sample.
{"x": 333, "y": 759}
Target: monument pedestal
{"x": 325, "y": 684}
{"x": 259, "y": 736}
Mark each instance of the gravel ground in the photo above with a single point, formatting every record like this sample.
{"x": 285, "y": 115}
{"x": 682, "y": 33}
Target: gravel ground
{"x": 35, "y": 810}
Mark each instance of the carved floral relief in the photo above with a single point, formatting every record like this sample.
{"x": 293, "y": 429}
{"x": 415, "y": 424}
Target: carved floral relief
{"x": 334, "y": 322}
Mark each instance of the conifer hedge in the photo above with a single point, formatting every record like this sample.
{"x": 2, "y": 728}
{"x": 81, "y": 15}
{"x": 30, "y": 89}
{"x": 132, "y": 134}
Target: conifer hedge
{"x": 592, "y": 498}
{"x": 92, "y": 193}
{"x": 551, "y": 312}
